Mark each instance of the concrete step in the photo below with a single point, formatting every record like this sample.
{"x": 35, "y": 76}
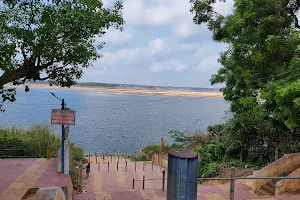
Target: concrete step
{"x": 264, "y": 192}
{"x": 271, "y": 184}
{"x": 268, "y": 188}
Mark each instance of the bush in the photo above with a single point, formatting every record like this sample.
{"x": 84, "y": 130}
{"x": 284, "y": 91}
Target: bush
{"x": 12, "y": 147}
{"x": 30, "y": 143}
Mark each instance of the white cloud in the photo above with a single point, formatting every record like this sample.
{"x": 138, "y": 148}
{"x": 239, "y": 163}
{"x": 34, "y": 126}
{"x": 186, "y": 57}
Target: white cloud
{"x": 114, "y": 36}
{"x": 209, "y": 64}
{"x": 189, "y": 29}
{"x": 156, "y": 46}
{"x": 159, "y": 13}
{"x": 168, "y": 65}
{"x": 122, "y": 55}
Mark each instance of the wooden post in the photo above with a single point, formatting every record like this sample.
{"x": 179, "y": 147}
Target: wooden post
{"x": 161, "y": 144}
{"x": 232, "y": 175}
{"x": 143, "y": 182}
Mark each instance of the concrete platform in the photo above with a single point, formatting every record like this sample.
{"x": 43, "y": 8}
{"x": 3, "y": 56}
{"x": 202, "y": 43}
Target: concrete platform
{"x": 19, "y": 176}
{"x": 117, "y": 185}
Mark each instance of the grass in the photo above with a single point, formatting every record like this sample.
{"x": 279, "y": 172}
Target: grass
{"x": 18, "y": 142}
{"x": 27, "y": 143}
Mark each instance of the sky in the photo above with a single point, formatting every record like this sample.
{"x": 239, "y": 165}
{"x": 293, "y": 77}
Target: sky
{"x": 160, "y": 45}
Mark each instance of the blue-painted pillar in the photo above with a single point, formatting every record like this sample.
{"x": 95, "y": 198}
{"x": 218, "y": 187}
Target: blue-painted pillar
{"x": 63, "y": 141}
{"x": 182, "y": 175}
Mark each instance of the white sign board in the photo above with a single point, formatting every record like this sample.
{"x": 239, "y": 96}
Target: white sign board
{"x": 63, "y": 117}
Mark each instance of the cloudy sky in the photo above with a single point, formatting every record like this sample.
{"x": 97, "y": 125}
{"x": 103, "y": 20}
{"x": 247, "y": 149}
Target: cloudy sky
{"x": 160, "y": 45}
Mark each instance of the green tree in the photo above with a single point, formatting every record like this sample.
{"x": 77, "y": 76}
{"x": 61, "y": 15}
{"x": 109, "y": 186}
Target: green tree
{"x": 260, "y": 70}
{"x": 51, "y": 40}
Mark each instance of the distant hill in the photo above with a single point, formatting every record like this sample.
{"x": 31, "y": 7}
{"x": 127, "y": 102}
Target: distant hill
{"x": 115, "y": 85}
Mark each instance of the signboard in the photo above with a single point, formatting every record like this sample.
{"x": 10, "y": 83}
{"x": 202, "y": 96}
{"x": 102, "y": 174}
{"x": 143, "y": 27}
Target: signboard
{"x": 63, "y": 117}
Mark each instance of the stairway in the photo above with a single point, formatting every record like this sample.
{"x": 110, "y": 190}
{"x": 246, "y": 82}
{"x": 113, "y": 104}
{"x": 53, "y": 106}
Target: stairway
{"x": 268, "y": 189}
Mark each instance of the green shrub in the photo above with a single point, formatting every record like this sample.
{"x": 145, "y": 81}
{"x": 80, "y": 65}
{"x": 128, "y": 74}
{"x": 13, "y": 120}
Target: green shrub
{"x": 78, "y": 153}
{"x": 32, "y": 142}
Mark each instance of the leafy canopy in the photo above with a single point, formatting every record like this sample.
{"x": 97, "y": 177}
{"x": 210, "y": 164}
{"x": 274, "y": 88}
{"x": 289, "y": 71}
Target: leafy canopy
{"x": 260, "y": 69}
{"x": 51, "y": 40}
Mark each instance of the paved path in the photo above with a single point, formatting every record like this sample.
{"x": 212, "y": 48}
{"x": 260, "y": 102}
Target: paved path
{"x": 19, "y": 175}
{"x": 117, "y": 185}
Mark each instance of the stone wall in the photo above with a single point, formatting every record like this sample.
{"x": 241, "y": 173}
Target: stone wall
{"x": 288, "y": 162}
{"x": 160, "y": 160}
{"x": 288, "y": 185}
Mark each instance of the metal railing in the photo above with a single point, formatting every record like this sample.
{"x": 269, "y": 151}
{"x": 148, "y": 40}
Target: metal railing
{"x": 232, "y": 179}
{"x": 153, "y": 179}
{"x": 109, "y": 164}
{"x": 28, "y": 153}
{"x": 20, "y": 153}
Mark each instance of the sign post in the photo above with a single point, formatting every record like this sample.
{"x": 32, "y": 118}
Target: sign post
{"x": 63, "y": 117}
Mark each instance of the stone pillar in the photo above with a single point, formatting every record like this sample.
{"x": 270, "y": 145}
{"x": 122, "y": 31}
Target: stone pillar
{"x": 50, "y": 193}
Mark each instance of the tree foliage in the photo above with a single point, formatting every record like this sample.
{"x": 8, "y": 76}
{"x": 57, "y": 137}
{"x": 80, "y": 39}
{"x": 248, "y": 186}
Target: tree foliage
{"x": 261, "y": 71}
{"x": 51, "y": 40}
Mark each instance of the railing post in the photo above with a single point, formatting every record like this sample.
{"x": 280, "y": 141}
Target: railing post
{"x": 108, "y": 166}
{"x": 117, "y": 166}
{"x": 98, "y": 166}
{"x": 163, "y": 180}
{"x": 143, "y": 182}
{"x": 232, "y": 175}
{"x": 152, "y": 165}
{"x": 132, "y": 183}
{"x": 135, "y": 165}
{"x": 126, "y": 165}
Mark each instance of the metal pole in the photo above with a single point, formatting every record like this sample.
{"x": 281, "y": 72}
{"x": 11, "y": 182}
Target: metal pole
{"x": 143, "y": 182}
{"x": 232, "y": 175}
{"x": 135, "y": 166}
{"x": 118, "y": 158}
{"x": 143, "y": 166}
{"x": 96, "y": 157}
{"x": 111, "y": 158}
{"x": 132, "y": 183}
{"x": 63, "y": 141}
{"x": 117, "y": 166}
{"x": 108, "y": 166}
{"x": 98, "y": 166}
{"x": 163, "y": 180}
{"x": 126, "y": 165}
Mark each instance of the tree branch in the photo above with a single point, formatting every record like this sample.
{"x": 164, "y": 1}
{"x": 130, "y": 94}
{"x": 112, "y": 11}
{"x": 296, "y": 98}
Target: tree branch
{"x": 24, "y": 72}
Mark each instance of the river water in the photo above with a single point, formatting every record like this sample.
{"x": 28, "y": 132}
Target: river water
{"x": 116, "y": 123}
